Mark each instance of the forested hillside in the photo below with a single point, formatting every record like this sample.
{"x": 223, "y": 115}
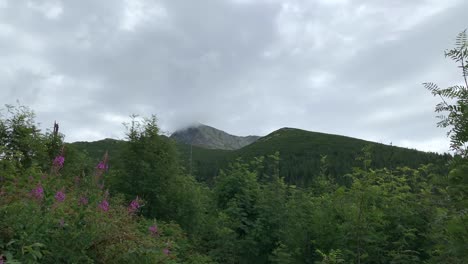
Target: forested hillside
{"x": 300, "y": 152}
{"x": 291, "y": 197}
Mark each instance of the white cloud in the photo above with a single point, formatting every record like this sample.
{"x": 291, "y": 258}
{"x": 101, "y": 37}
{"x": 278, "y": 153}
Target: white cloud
{"x": 437, "y": 144}
{"x": 345, "y": 67}
{"x": 49, "y": 9}
{"x": 138, "y": 12}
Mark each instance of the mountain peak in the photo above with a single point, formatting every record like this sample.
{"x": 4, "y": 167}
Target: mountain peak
{"x": 205, "y": 136}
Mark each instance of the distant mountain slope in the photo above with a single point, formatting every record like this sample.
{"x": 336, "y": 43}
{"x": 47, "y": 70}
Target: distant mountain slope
{"x": 209, "y": 137}
{"x": 96, "y": 149}
{"x": 300, "y": 153}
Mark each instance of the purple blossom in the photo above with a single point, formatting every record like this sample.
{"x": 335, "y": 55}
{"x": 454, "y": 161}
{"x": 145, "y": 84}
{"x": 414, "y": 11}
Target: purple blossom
{"x": 38, "y": 192}
{"x": 101, "y": 165}
{"x": 104, "y": 205}
{"x": 153, "y": 230}
{"x": 134, "y": 205}
{"x": 166, "y": 251}
{"x": 58, "y": 161}
{"x": 83, "y": 201}
{"x": 60, "y": 196}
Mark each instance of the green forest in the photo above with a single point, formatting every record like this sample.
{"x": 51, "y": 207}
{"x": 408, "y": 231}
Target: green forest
{"x": 291, "y": 197}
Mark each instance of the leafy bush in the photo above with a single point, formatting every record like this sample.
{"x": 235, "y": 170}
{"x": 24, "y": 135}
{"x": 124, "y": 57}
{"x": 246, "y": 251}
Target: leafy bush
{"x": 67, "y": 216}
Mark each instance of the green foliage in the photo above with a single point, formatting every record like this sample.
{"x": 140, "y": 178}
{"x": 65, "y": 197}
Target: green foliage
{"x": 334, "y": 257}
{"x": 301, "y": 152}
{"x": 455, "y": 99}
{"x": 45, "y": 229}
{"x": 318, "y": 199}
{"x": 22, "y": 146}
{"x": 450, "y": 229}
{"x": 148, "y": 167}
{"x": 252, "y": 216}
{"x": 281, "y": 255}
{"x": 64, "y": 217}
{"x": 236, "y": 193}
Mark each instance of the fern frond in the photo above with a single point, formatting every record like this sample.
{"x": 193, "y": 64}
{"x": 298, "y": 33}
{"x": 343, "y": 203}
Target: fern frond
{"x": 452, "y": 92}
{"x": 454, "y": 54}
{"x": 431, "y": 87}
{"x": 461, "y": 40}
{"x": 441, "y": 107}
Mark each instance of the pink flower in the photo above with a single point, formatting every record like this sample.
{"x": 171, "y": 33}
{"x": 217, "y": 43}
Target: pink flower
{"x": 134, "y": 205}
{"x": 101, "y": 168}
{"x": 153, "y": 230}
{"x": 58, "y": 161}
{"x": 166, "y": 251}
{"x": 101, "y": 165}
{"x": 60, "y": 196}
{"x": 38, "y": 192}
{"x": 104, "y": 205}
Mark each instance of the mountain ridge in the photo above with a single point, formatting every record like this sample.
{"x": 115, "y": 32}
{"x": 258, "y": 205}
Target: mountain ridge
{"x": 300, "y": 151}
{"x": 211, "y": 138}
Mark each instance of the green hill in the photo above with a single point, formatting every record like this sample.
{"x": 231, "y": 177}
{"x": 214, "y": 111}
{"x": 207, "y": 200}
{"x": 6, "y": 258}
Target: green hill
{"x": 96, "y": 149}
{"x": 300, "y": 153}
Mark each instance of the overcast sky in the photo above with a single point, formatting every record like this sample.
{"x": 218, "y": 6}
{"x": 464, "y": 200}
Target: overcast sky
{"x": 347, "y": 67}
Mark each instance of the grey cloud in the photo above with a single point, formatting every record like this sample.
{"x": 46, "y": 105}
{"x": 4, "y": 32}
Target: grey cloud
{"x": 248, "y": 67}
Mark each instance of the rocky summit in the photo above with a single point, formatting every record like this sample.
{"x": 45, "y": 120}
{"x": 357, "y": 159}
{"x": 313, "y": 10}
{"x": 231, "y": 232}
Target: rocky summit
{"x": 209, "y": 137}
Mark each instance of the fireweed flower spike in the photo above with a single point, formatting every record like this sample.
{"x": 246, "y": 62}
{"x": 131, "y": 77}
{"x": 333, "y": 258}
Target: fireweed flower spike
{"x": 134, "y": 205}
{"x": 60, "y": 196}
{"x": 57, "y": 164}
{"x": 153, "y": 230}
{"x": 104, "y": 205}
{"x": 58, "y": 161}
{"x": 38, "y": 192}
{"x": 101, "y": 167}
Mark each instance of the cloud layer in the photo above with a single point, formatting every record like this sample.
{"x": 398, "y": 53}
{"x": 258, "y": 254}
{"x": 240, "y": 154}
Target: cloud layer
{"x": 346, "y": 67}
